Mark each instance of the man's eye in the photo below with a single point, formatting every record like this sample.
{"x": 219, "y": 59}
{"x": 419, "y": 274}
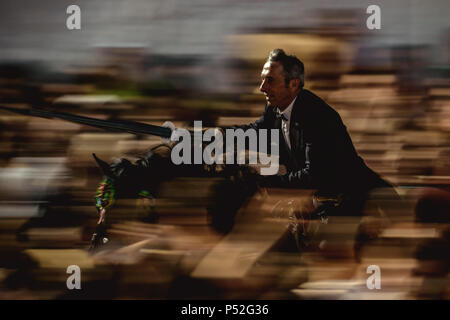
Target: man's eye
{"x": 267, "y": 80}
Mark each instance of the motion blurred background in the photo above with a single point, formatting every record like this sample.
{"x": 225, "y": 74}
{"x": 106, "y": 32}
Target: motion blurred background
{"x": 186, "y": 60}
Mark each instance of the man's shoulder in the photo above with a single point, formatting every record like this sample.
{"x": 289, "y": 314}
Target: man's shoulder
{"x": 316, "y": 107}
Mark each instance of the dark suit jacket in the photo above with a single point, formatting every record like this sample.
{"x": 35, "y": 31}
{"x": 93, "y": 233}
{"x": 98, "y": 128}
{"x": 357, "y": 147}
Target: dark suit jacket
{"x": 322, "y": 156}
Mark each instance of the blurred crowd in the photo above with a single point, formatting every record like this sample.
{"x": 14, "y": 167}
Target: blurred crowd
{"x": 394, "y": 100}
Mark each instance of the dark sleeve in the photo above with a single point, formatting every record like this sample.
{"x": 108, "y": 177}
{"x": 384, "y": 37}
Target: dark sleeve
{"x": 329, "y": 158}
{"x": 261, "y": 123}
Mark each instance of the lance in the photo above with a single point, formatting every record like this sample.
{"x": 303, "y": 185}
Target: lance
{"x": 99, "y": 237}
{"x": 115, "y": 125}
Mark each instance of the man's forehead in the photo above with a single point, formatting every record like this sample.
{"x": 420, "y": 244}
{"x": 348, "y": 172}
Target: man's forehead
{"x": 272, "y": 67}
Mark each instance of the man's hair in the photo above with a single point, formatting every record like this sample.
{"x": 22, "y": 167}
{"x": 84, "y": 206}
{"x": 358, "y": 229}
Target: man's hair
{"x": 292, "y": 66}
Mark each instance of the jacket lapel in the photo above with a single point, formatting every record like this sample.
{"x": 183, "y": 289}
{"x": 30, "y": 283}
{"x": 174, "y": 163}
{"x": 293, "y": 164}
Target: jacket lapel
{"x": 295, "y": 128}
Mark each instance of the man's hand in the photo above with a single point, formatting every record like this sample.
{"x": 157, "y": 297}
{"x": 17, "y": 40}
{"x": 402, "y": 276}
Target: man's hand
{"x": 282, "y": 170}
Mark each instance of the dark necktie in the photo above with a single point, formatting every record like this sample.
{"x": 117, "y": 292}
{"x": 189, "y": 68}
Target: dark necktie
{"x": 280, "y": 116}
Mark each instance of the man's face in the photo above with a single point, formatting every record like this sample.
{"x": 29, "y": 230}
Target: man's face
{"x": 274, "y": 86}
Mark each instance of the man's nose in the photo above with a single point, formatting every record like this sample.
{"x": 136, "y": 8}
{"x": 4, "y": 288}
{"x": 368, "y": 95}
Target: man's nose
{"x": 262, "y": 87}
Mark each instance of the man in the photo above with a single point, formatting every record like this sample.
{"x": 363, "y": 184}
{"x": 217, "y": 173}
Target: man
{"x": 314, "y": 144}
{"x": 316, "y": 151}
{"x": 314, "y": 147}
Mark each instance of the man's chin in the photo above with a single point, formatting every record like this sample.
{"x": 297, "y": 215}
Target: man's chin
{"x": 271, "y": 103}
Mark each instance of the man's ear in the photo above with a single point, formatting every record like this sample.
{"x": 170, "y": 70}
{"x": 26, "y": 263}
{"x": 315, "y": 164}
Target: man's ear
{"x": 294, "y": 83}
